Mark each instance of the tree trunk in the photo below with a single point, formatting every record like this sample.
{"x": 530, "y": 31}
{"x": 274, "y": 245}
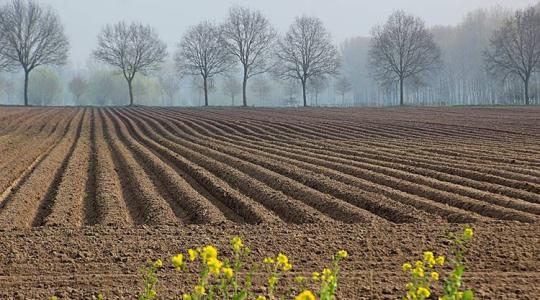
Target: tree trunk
{"x": 130, "y": 93}
{"x": 401, "y": 92}
{"x": 244, "y": 88}
{"x": 304, "y": 92}
{"x": 26, "y": 78}
{"x": 205, "y": 91}
{"x": 527, "y": 91}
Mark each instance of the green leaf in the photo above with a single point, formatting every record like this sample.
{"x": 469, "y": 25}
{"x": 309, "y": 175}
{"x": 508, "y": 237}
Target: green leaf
{"x": 468, "y": 295}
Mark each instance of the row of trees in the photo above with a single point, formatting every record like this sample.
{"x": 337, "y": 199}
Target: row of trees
{"x": 401, "y": 53}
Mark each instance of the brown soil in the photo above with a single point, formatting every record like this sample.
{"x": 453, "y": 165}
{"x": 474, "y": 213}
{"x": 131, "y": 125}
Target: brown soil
{"x": 87, "y": 195}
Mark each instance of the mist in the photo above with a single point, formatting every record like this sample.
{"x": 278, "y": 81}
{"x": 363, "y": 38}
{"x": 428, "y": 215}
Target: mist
{"x": 349, "y": 22}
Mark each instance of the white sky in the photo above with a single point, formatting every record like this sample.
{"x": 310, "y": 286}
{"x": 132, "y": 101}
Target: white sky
{"x": 83, "y": 19}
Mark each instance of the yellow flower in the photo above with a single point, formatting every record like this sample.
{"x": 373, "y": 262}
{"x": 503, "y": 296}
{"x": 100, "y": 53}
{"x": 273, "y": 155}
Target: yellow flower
{"x": 326, "y": 273}
{"x": 440, "y": 260}
{"x": 54, "y": 298}
{"x": 406, "y": 267}
{"x": 316, "y": 276}
{"x": 423, "y": 292}
{"x": 282, "y": 259}
{"x": 272, "y": 281}
{"x": 178, "y": 261}
{"x": 305, "y": 295}
{"x": 342, "y": 254}
{"x": 435, "y": 276}
{"x": 419, "y": 264}
{"x": 261, "y": 297}
{"x": 299, "y": 279}
{"x": 199, "y": 290}
{"x": 237, "y": 244}
{"x": 228, "y": 272}
{"x": 158, "y": 264}
{"x": 418, "y": 272}
{"x": 409, "y": 285}
{"x": 468, "y": 233}
{"x": 152, "y": 294}
{"x": 186, "y": 297}
{"x": 287, "y": 267}
{"x": 268, "y": 261}
{"x": 208, "y": 252}
{"x": 192, "y": 254}
{"x": 429, "y": 258}
{"x": 214, "y": 265}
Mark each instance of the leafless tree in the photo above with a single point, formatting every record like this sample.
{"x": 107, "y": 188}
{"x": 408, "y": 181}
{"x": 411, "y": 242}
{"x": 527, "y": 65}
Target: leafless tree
{"x": 231, "y": 87}
{"x": 132, "y": 48}
{"x": 402, "y": 48}
{"x": 78, "y": 86}
{"x": 306, "y": 51}
{"x": 202, "y": 53}
{"x": 249, "y": 37}
{"x": 318, "y": 84}
{"x": 32, "y": 36}
{"x": 343, "y": 86}
{"x": 515, "y": 48}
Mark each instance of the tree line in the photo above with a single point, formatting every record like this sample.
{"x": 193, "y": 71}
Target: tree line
{"x": 401, "y": 56}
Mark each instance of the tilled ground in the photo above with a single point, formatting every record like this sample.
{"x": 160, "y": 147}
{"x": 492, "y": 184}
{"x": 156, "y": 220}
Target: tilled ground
{"x": 88, "y": 194}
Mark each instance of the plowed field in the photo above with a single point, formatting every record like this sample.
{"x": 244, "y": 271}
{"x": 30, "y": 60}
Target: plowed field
{"x": 88, "y": 194}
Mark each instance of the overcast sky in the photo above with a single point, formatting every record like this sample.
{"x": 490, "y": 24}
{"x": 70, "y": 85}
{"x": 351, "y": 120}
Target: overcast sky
{"x": 83, "y": 19}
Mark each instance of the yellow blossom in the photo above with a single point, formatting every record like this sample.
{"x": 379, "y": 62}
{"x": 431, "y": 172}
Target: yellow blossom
{"x": 214, "y": 265}
{"x": 158, "y": 264}
{"x": 208, "y": 252}
{"x": 419, "y": 264}
{"x": 406, "y": 267}
{"x": 409, "y": 285}
{"x": 440, "y": 260}
{"x": 268, "y": 261}
{"x": 468, "y": 233}
{"x": 228, "y": 272}
{"x": 287, "y": 267}
{"x": 199, "y": 290}
{"x": 435, "y": 276}
{"x": 423, "y": 292}
{"x": 237, "y": 244}
{"x": 305, "y": 295}
{"x": 192, "y": 254}
{"x": 261, "y": 297}
{"x": 186, "y": 297}
{"x": 342, "y": 254}
{"x": 178, "y": 261}
{"x": 152, "y": 294}
{"x": 299, "y": 279}
{"x": 282, "y": 259}
{"x": 316, "y": 276}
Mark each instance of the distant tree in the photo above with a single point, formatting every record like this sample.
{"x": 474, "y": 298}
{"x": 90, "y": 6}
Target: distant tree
{"x": 231, "y": 87}
{"x": 306, "y": 51}
{"x": 78, "y": 86}
{"x": 318, "y": 84}
{"x": 32, "y": 36}
{"x": 46, "y": 88}
{"x": 402, "y": 48}
{"x": 261, "y": 87}
{"x": 343, "y": 86}
{"x": 249, "y": 37}
{"x": 197, "y": 85}
{"x": 515, "y": 48}
{"x": 290, "y": 89}
{"x": 169, "y": 83}
{"x": 131, "y": 48}
{"x": 202, "y": 53}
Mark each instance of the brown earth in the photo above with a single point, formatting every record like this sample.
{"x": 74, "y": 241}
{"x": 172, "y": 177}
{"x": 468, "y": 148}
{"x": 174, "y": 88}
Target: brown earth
{"x": 87, "y": 195}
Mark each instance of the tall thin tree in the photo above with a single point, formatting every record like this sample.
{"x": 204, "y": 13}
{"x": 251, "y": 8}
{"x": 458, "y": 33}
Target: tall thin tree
{"x": 202, "y": 53}
{"x": 249, "y": 37}
{"x": 32, "y": 36}
{"x": 401, "y": 48}
{"x": 306, "y": 51}
{"x": 515, "y": 48}
{"x": 132, "y": 48}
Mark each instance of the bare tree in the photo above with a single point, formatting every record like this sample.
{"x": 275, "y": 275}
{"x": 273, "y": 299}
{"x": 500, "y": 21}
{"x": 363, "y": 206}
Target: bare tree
{"x": 231, "y": 87}
{"x": 202, "y": 53}
{"x": 132, "y": 48}
{"x": 402, "y": 48}
{"x": 318, "y": 84}
{"x": 249, "y": 37}
{"x": 515, "y": 48}
{"x": 306, "y": 51}
{"x": 343, "y": 86}
{"x": 32, "y": 36}
{"x": 78, "y": 86}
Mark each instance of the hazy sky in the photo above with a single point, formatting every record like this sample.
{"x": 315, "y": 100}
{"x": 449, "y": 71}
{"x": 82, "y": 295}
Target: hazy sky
{"x": 83, "y": 19}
